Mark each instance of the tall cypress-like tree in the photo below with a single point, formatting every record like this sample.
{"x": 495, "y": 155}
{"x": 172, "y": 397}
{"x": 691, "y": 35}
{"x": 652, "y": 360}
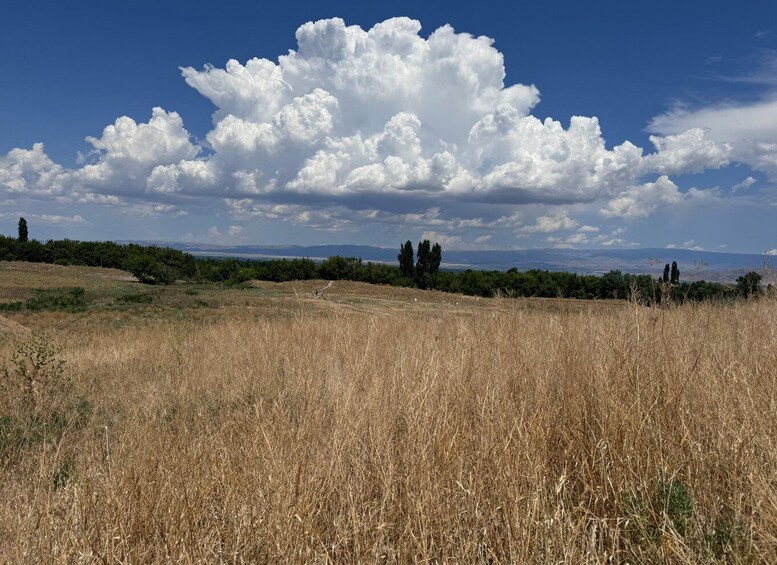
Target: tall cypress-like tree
{"x": 436, "y": 258}
{"x": 424, "y": 257}
{"x": 23, "y": 230}
{"x": 407, "y": 260}
{"x": 675, "y": 276}
{"x": 429, "y": 259}
{"x": 422, "y": 265}
{"x": 665, "y": 278}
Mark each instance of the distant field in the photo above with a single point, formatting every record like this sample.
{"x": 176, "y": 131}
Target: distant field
{"x": 261, "y": 423}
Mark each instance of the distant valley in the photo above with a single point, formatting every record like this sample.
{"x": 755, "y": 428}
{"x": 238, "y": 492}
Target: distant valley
{"x": 694, "y": 265}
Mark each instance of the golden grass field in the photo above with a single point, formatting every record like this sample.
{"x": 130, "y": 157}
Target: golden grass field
{"x": 382, "y": 425}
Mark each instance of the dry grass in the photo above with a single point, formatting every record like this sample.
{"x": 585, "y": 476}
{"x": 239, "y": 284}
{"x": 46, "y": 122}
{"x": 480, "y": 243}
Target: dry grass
{"x": 351, "y": 430}
{"x": 19, "y": 274}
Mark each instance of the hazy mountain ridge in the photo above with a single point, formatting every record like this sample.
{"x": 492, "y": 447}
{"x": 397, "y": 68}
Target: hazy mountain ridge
{"x": 694, "y": 265}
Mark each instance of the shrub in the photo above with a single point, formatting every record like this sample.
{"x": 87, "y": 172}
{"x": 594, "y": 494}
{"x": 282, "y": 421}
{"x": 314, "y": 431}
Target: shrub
{"x": 36, "y": 376}
{"x": 71, "y": 299}
{"x": 149, "y": 271}
{"x": 144, "y": 298}
{"x": 38, "y": 401}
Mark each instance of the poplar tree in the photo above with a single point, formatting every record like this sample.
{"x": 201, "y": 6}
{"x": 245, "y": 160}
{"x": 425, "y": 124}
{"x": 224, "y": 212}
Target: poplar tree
{"x": 675, "y": 277}
{"x": 406, "y": 260}
{"x": 436, "y": 258}
{"x": 422, "y": 266}
{"x": 22, "y": 230}
{"x": 429, "y": 259}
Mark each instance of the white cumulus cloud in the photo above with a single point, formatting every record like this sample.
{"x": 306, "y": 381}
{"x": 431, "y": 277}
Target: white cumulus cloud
{"x": 445, "y": 240}
{"x": 352, "y": 113}
{"x": 689, "y": 151}
{"x": 553, "y": 222}
{"x": 127, "y": 152}
{"x": 748, "y": 129}
{"x": 375, "y": 125}
{"x": 641, "y": 201}
{"x": 31, "y": 172}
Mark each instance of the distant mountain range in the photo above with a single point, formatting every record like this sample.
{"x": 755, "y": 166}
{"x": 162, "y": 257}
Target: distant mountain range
{"x": 694, "y": 265}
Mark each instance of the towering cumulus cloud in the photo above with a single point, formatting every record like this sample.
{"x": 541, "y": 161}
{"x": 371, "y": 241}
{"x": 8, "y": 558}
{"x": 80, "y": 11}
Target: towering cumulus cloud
{"x": 375, "y": 125}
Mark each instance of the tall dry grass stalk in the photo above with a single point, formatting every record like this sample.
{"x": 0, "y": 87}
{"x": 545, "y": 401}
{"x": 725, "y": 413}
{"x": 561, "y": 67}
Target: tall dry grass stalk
{"x": 506, "y": 437}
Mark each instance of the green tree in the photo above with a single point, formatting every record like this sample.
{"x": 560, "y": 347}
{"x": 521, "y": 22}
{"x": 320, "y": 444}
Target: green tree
{"x": 148, "y": 270}
{"x": 665, "y": 278}
{"x": 424, "y": 257}
{"x": 749, "y": 284}
{"x": 23, "y": 230}
{"x": 475, "y": 283}
{"x": 341, "y": 268}
{"x": 436, "y": 259}
{"x": 613, "y": 285}
{"x": 675, "y": 276}
{"x": 423, "y": 265}
{"x": 406, "y": 260}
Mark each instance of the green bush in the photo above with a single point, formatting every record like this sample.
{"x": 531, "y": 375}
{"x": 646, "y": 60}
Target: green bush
{"x": 11, "y": 306}
{"x": 144, "y": 298}
{"x": 36, "y": 374}
{"x": 73, "y": 298}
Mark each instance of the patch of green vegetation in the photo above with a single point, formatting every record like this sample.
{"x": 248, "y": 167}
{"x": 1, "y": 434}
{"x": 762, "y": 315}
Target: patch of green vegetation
{"x": 726, "y": 533}
{"x": 677, "y": 503}
{"x": 132, "y": 298}
{"x": 668, "y": 504}
{"x": 8, "y": 433}
{"x": 35, "y": 383}
{"x": 68, "y": 299}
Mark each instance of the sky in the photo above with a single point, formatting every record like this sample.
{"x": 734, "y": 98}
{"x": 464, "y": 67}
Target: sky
{"x": 481, "y": 125}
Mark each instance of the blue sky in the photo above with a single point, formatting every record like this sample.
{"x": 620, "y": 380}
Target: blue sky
{"x": 374, "y": 131}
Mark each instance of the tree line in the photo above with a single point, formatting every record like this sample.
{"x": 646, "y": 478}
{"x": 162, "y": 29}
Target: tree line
{"x": 418, "y": 268}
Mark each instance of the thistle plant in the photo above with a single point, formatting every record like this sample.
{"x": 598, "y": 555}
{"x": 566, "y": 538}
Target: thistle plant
{"x": 36, "y": 374}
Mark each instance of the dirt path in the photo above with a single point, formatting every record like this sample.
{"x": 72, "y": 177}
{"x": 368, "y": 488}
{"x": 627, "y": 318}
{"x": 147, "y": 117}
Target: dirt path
{"x": 320, "y": 292}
